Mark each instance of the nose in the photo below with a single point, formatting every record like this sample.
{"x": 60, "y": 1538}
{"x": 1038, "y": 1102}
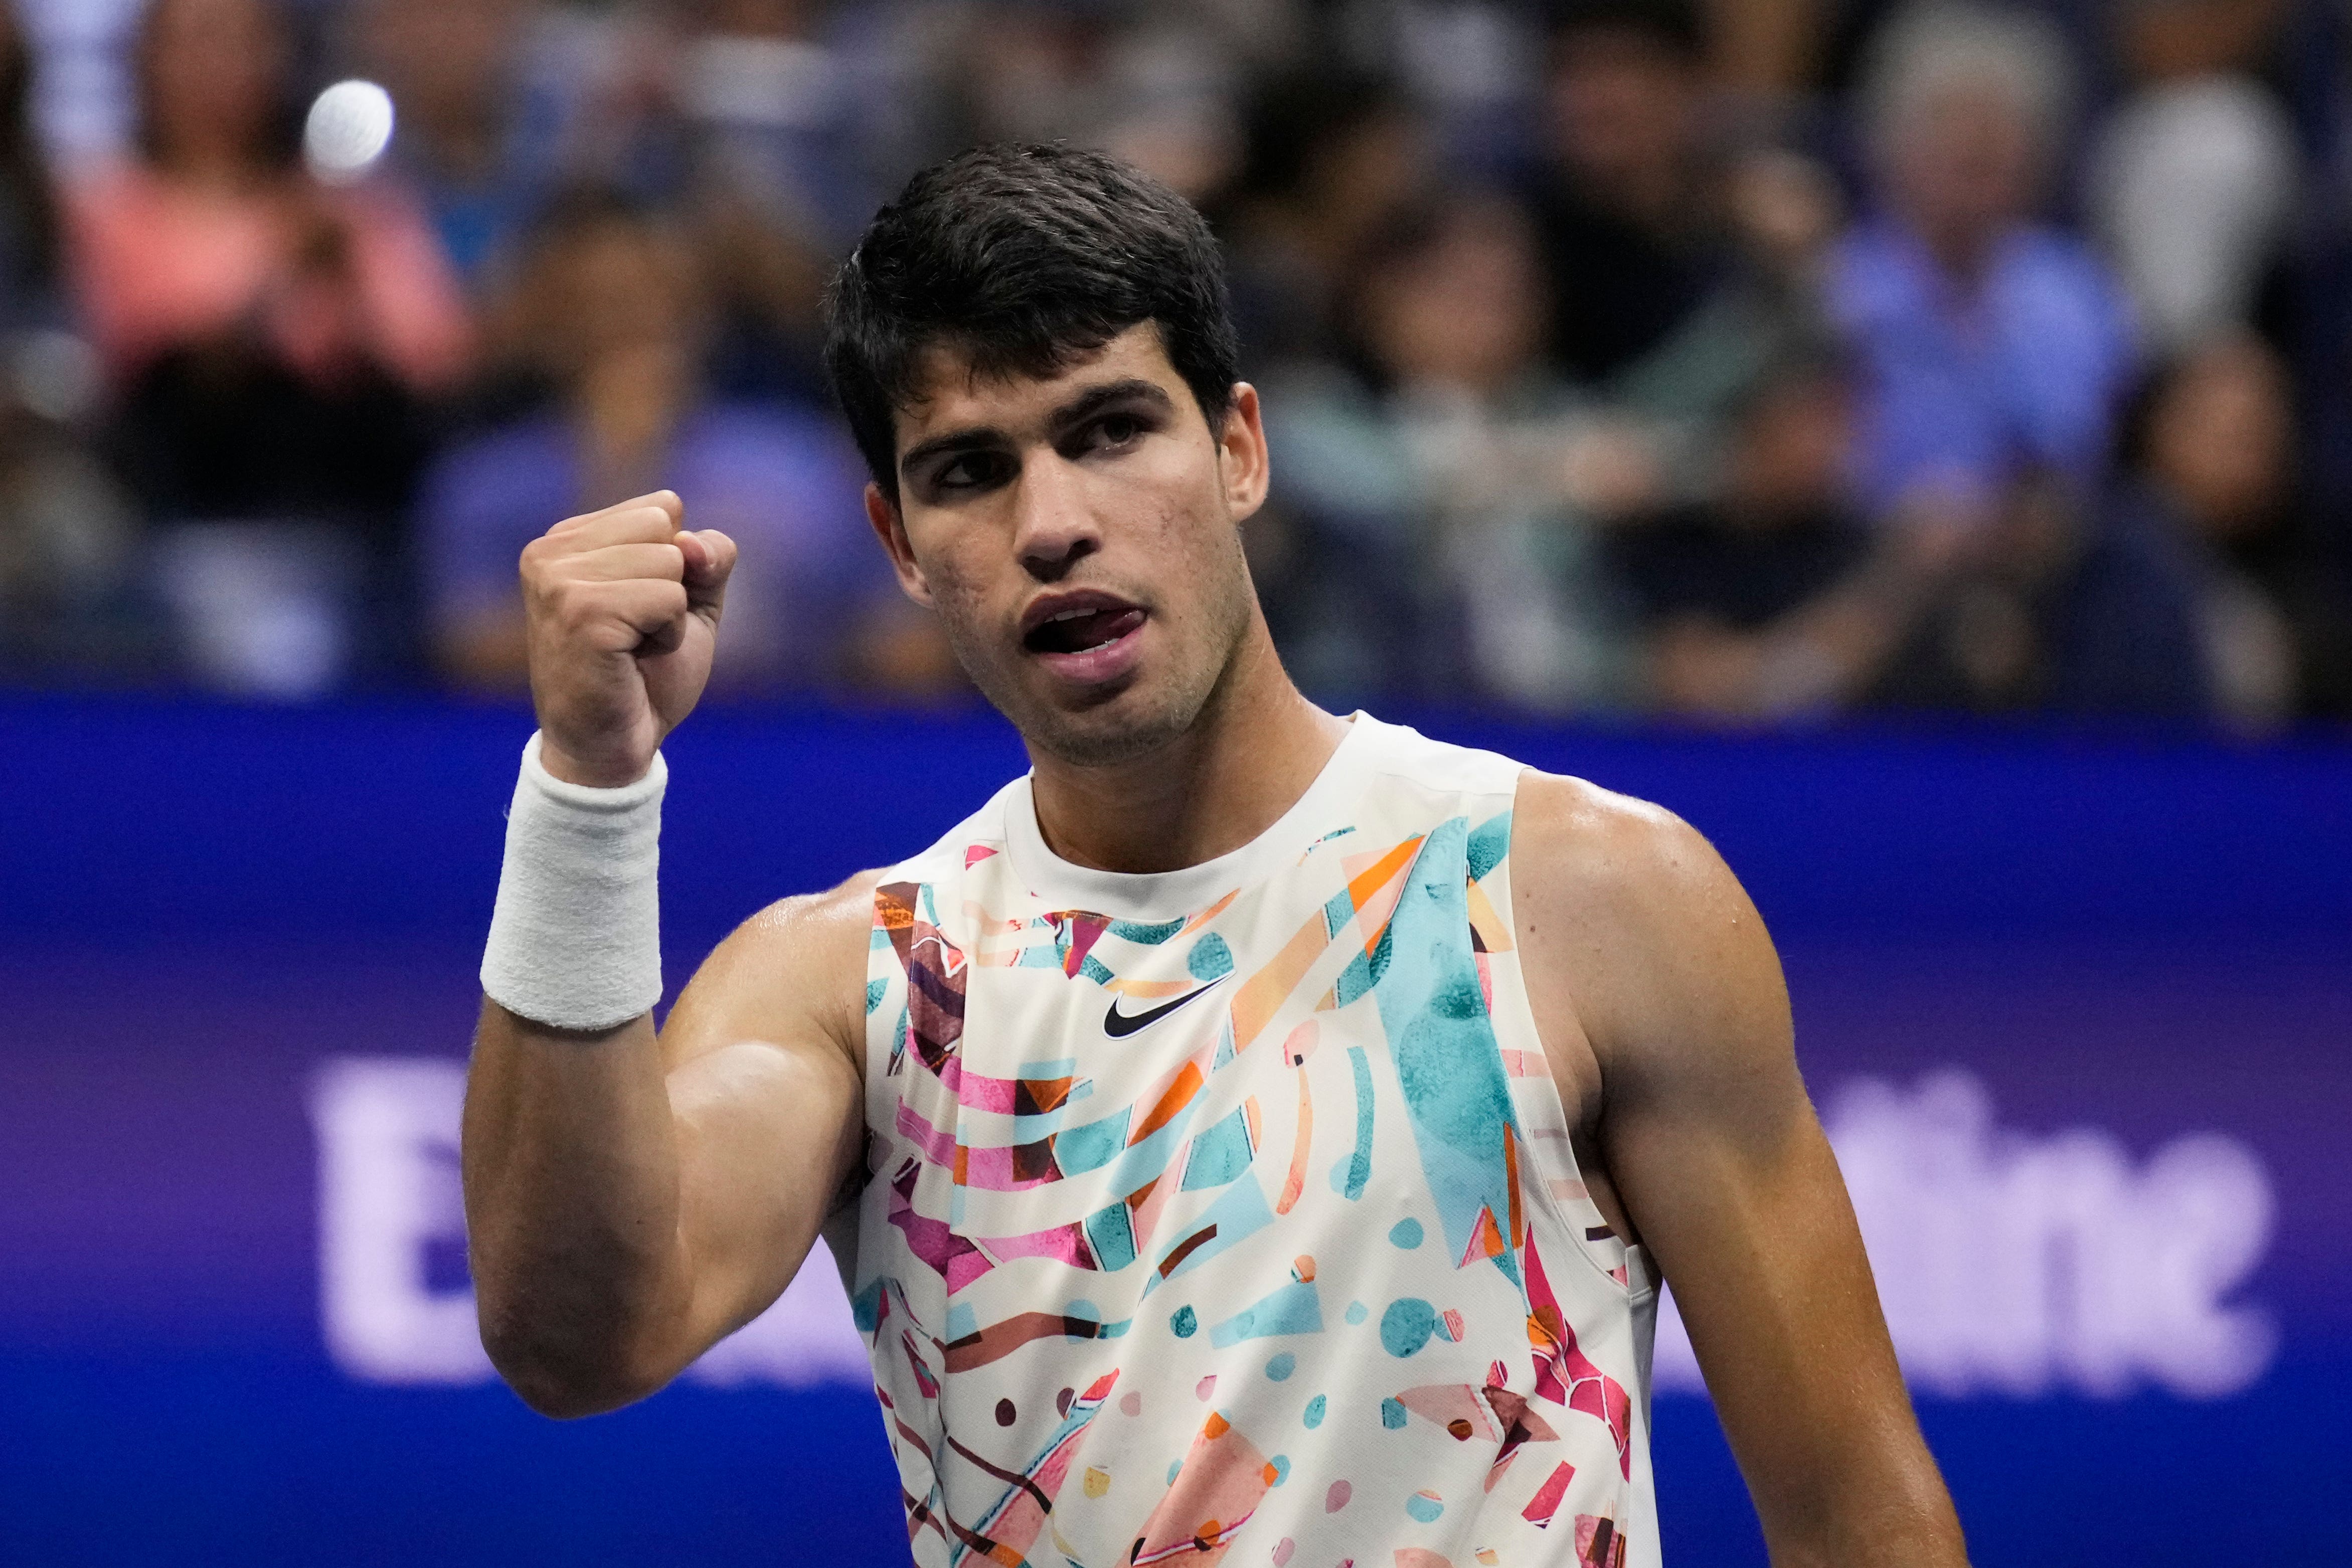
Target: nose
{"x": 1053, "y": 528}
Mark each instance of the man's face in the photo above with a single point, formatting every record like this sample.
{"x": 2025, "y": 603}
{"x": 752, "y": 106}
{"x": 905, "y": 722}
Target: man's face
{"x": 1466, "y": 311}
{"x": 1078, "y": 537}
{"x": 1623, "y": 113}
{"x": 1965, "y": 162}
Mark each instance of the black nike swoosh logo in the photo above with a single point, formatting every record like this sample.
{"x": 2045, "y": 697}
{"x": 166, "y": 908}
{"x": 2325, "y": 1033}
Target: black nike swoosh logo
{"x": 1119, "y": 1025}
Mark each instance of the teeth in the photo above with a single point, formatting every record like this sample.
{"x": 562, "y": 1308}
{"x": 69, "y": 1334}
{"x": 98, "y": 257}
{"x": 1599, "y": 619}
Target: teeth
{"x": 1072, "y": 614}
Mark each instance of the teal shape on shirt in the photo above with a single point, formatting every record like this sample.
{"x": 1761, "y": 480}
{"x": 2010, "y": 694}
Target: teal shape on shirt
{"x": 1111, "y": 1233}
{"x": 1219, "y": 1154}
{"x": 1209, "y": 958}
{"x": 1296, "y": 1308}
{"x": 1090, "y": 1147}
{"x": 1448, "y": 1062}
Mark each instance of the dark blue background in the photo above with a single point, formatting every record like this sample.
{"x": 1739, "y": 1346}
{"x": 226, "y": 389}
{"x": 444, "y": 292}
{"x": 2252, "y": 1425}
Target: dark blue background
{"x": 2146, "y": 934}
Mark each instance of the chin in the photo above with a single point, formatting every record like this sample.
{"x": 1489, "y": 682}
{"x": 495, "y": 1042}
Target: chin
{"x": 1132, "y": 724}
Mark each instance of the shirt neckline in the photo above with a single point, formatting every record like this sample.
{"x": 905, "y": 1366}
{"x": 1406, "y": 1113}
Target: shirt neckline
{"x": 1158, "y": 896}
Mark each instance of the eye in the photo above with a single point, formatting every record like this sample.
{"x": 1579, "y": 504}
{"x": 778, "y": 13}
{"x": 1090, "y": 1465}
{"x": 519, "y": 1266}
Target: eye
{"x": 969, "y": 471}
{"x": 1116, "y": 430}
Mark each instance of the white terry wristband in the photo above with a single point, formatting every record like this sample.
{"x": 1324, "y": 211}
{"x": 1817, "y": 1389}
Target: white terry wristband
{"x": 575, "y": 939}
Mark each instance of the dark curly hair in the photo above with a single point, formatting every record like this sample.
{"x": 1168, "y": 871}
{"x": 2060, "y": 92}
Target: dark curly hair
{"x": 1023, "y": 258}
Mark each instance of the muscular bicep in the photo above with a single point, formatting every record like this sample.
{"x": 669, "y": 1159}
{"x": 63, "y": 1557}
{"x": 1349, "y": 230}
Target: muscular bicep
{"x": 766, "y": 1097}
{"x": 1717, "y": 1157}
{"x": 1720, "y": 1161}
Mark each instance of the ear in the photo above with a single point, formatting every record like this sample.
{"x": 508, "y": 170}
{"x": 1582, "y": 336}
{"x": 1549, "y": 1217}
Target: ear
{"x": 891, "y": 526}
{"x": 1241, "y": 459}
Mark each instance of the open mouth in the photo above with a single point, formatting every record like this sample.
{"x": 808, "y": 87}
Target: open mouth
{"x": 1083, "y": 629}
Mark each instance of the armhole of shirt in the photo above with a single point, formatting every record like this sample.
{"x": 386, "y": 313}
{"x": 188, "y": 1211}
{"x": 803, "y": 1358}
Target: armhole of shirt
{"x": 1559, "y": 1178}
{"x": 888, "y": 1022}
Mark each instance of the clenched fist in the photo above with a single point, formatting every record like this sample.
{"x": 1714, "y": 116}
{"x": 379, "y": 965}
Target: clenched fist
{"x": 621, "y": 610}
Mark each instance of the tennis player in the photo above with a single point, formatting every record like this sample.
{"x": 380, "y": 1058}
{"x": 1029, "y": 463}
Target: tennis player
{"x": 1255, "y": 1135}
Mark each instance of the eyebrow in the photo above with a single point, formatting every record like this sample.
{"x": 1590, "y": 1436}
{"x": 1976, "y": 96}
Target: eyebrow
{"x": 1088, "y": 404}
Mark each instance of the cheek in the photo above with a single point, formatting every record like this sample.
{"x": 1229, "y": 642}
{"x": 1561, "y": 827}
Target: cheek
{"x": 1186, "y": 548}
{"x": 957, "y": 591}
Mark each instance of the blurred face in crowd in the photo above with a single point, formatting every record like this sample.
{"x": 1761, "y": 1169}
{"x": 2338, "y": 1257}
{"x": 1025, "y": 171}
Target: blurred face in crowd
{"x": 612, "y": 289}
{"x": 1624, "y": 112}
{"x": 1368, "y": 169}
{"x": 1079, "y": 537}
{"x": 212, "y": 77}
{"x": 1789, "y": 459}
{"x": 447, "y": 62}
{"x": 2221, "y": 434}
{"x": 1965, "y": 160}
{"x": 1463, "y": 309}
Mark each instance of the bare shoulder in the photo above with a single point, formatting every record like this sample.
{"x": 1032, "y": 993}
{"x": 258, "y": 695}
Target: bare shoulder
{"x": 793, "y": 972}
{"x": 1590, "y": 854}
{"x": 829, "y": 919}
{"x": 1634, "y": 911}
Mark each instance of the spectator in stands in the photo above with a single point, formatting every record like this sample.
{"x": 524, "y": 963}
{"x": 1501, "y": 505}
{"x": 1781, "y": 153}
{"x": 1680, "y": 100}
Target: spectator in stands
{"x": 29, "y": 236}
{"x": 1678, "y": 270}
{"x": 65, "y": 604}
{"x": 1476, "y": 67}
{"x": 1455, "y": 483}
{"x": 2051, "y": 604}
{"x": 269, "y": 339}
{"x": 1153, "y": 83}
{"x": 213, "y": 228}
{"x": 477, "y": 139}
{"x": 1990, "y": 344}
{"x": 2197, "y": 172}
{"x": 761, "y": 101}
{"x": 1630, "y": 239}
{"x": 1332, "y": 157}
{"x": 616, "y": 321}
{"x": 1773, "y": 597}
{"x": 2209, "y": 462}
{"x": 767, "y": 178}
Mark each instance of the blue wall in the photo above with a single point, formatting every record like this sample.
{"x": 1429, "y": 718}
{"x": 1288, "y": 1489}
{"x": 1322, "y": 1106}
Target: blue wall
{"x": 2137, "y": 945}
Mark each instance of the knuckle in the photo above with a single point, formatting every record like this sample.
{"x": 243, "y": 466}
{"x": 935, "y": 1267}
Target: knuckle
{"x": 570, "y": 605}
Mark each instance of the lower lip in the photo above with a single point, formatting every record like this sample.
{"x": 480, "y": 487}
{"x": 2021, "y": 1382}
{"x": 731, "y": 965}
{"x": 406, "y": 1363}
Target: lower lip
{"x": 1096, "y": 665}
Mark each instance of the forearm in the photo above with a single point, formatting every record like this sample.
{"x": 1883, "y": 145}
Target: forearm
{"x": 1887, "y": 1508}
{"x": 572, "y": 1183}
{"x": 1778, "y": 1297}
{"x": 618, "y": 1190}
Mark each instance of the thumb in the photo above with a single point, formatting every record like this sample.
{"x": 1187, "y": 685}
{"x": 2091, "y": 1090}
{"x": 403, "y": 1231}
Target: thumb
{"x": 709, "y": 561}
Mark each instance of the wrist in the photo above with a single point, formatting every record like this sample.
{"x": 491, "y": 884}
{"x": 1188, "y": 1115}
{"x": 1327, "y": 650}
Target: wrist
{"x": 590, "y": 767}
{"x": 575, "y": 939}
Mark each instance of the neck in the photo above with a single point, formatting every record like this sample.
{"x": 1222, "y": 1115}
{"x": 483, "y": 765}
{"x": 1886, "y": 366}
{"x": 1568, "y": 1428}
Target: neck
{"x": 1963, "y": 251}
{"x": 627, "y": 407}
{"x": 1256, "y": 745}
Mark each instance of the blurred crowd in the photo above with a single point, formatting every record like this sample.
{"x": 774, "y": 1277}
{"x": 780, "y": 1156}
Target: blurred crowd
{"x": 1750, "y": 360}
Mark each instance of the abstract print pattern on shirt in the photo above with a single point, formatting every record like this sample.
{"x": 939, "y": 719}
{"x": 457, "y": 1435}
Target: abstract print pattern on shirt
{"x": 1235, "y": 1208}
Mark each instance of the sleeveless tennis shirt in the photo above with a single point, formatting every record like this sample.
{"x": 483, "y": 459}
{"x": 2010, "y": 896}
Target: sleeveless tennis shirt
{"x": 1229, "y": 1214}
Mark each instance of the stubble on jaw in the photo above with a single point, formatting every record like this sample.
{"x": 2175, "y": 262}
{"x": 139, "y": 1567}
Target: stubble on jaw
{"x": 1131, "y": 724}
{"x": 1120, "y": 729}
